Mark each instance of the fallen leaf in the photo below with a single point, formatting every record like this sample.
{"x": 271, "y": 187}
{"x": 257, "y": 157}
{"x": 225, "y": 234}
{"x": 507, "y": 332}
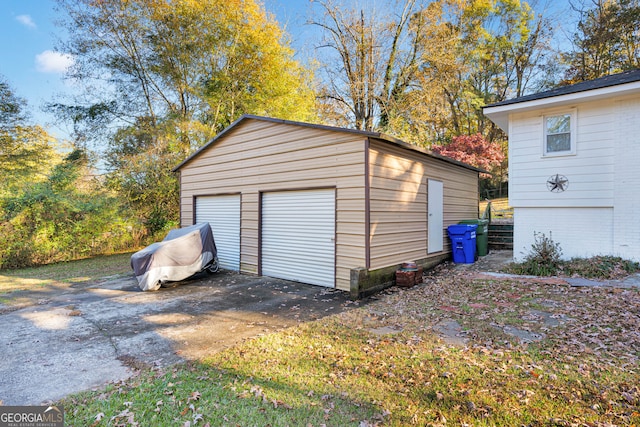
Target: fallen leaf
{"x": 97, "y": 419}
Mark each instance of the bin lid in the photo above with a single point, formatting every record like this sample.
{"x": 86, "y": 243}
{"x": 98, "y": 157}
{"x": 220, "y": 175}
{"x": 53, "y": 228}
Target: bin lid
{"x": 461, "y": 228}
{"x": 480, "y": 221}
{"x": 483, "y": 224}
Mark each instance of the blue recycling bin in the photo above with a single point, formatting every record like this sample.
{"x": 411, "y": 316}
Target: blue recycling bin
{"x": 463, "y": 242}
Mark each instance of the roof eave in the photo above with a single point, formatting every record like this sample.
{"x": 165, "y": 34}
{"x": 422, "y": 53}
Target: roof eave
{"x": 366, "y": 134}
{"x": 205, "y": 146}
{"x": 275, "y": 120}
{"x": 499, "y": 114}
{"x": 429, "y": 153}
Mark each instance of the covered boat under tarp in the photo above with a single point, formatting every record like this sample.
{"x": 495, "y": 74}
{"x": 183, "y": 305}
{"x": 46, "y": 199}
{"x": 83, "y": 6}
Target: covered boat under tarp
{"x": 183, "y": 253}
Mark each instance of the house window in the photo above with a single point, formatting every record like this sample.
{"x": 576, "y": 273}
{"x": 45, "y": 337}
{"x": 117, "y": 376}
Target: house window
{"x": 559, "y": 134}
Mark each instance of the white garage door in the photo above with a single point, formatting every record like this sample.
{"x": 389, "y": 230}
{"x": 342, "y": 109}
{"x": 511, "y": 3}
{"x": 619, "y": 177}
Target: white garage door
{"x": 223, "y": 213}
{"x": 298, "y": 236}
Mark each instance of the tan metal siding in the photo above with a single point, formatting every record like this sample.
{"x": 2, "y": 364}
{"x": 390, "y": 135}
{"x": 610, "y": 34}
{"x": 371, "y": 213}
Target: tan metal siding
{"x": 249, "y": 232}
{"x": 258, "y": 156}
{"x": 398, "y": 202}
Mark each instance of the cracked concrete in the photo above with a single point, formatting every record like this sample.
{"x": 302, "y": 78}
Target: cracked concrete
{"x": 632, "y": 281}
{"x": 523, "y": 335}
{"x": 66, "y": 341}
{"x": 451, "y": 333}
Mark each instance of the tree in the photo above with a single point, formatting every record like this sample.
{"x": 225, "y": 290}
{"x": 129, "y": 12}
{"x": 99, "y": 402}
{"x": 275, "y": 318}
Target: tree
{"x": 25, "y": 150}
{"x": 607, "y": 40}
{"x": 421, "y": 112}
{"x": 376, "y": 59}
{"x": 63, "y": 217}
{"x": 162, "y": 77}
{"x": 501, "y": 44}
{"x": 424, "y": 69}
{"x": 141, "y": 173}
{"x": 196, "y": 64}
{"x": 476, "y": 151}
{"x": 473, "y": 150}
{"x": 51, "y": 206}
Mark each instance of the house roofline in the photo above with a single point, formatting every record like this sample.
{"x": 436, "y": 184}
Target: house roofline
{"x": 604, "y": 87}
{"x": 367, "y": 134}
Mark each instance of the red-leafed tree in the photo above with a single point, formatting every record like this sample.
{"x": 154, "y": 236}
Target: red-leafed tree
{"x": 476, "y": 151}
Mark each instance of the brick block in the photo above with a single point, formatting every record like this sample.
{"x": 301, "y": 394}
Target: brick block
{"x": 405, "y": 279}
{"x": 419, "y": 275}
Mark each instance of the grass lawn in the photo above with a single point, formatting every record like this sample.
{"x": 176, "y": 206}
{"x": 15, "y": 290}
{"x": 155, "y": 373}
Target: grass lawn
{"x": 58, "y": 276}
{"x": 380, "y": 363}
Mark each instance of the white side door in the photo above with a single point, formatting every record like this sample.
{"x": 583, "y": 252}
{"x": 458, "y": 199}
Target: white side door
{"x": 435, "y": 216}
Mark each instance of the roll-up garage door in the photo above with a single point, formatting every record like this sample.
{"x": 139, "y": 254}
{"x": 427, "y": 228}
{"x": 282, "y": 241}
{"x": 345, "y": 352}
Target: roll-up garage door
{"x": 298, "y": 236}
{"x": 223, "y": 213}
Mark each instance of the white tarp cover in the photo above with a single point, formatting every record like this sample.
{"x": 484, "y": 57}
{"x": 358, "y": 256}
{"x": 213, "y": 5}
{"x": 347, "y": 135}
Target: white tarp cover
{"x": 183, "y": 253}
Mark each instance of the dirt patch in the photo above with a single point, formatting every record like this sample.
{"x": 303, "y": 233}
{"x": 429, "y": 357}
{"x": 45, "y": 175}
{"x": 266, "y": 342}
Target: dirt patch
{"x": 133, "y": 362}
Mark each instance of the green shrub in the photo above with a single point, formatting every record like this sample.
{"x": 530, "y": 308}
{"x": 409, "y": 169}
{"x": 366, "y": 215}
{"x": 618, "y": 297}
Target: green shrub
{"x": 68, "y": 216}
{"x": 15, "y": 246}
{"x": 600, "y": 267}
{"x": 543, "y": 258}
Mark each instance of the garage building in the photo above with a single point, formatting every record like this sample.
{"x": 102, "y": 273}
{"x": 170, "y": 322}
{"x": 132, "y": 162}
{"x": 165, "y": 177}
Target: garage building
{"x": 323, "y": 205}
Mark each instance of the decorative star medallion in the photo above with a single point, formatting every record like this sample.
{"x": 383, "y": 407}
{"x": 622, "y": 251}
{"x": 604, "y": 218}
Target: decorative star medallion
{"x": 557, "y": 183}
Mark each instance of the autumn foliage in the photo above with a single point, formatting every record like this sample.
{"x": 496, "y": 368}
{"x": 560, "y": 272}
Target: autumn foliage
{"x": 473, "y": 150}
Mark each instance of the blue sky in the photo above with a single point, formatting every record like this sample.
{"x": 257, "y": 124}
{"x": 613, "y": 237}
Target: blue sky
{"x": 34, "y": 70}
{"x": 27, "y": 58}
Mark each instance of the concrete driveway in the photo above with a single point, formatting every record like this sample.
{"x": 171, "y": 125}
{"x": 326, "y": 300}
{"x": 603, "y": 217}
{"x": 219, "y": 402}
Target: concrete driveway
{"x": 81, "y": 337}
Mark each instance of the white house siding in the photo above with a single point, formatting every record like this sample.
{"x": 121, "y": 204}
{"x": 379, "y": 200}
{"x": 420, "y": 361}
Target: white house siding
{"x": 599, "y": 213}
{"x": 590, "y": 171}
{"x": 626, "y": 233}
{"x": 264, "y": 156}
{"x": 581, "y": 232}
{"x": 580, "y": 219}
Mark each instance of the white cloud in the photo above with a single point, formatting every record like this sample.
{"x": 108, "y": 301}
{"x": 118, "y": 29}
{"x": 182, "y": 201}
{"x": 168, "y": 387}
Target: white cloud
{"x": 53, "y": 62}
{"x": 26, "y": 21}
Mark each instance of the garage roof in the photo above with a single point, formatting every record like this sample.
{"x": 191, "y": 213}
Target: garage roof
{"x": 368, "y": 134}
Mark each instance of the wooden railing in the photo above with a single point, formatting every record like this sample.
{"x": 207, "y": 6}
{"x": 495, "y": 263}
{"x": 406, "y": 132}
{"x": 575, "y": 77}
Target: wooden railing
{"x": 499, "y": 208}
{"x": 501, "y": 234}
